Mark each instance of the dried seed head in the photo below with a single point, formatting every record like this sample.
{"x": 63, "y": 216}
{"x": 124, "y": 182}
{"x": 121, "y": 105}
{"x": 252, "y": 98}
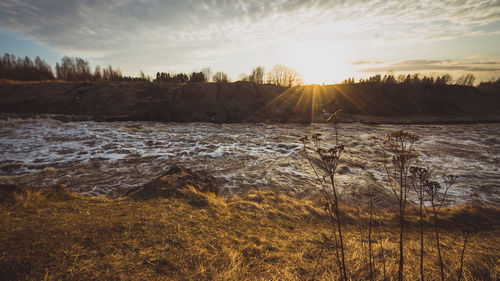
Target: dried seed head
{"x": 432, "y": 187}
{"x": 334, "y": 118}
{"x": 316, "y": 136}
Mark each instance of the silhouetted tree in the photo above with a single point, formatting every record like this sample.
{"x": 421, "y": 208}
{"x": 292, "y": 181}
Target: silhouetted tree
{"x": 389, "y": 79}
{"x": 24, "y": 69}
{"x": 257, "y": 75}
{"x": 443, "y": 80}
{"x": 415, "y": 79}
{"x": 97, "y": 73}
{"x": 491, "y": 83}
{"x": 466, "y": 80}
{"x": 110, "y": 74}
{"x": 82, "y": 71}
{"x": 207, "y": 72}
{"x": 197, "y": 77}
{"x": 43, "y": 70}
{"x": 67, "y": 69}
{"x": 243, "y": 77}
{"x": 78, "y": 69}
{"x": 282, "y": 75}
{"x": 181, "y": 78}
{"x": 220, "y": 77}
{"x": 375, "y": 79}
{"x": 348, "y": 81}
{"x": 171, "y": 77}
{"x": 401, "y": 78}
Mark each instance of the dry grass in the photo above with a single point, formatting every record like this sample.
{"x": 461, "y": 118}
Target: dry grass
{"x": 255, "y": 236}
{"x": 28, "y": 196}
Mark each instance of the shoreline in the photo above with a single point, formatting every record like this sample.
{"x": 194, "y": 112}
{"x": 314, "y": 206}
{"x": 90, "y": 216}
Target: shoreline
{"x": 368, "y": 120}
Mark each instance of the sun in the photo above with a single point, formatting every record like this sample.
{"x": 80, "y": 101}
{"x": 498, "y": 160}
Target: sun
{"x": 317, "y": 64}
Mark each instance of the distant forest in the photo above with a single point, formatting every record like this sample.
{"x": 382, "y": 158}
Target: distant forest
{"x": 78, "y": 69}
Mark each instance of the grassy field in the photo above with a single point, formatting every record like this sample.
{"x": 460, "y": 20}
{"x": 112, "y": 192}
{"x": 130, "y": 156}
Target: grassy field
{"x": 259, "y": 235}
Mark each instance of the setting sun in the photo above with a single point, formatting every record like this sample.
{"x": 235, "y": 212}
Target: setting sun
{"x": 320, "y": 62}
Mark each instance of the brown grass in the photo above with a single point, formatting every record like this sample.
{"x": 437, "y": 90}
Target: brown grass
{"x": 28, "y": 196}
{"x": 255, "y": 236}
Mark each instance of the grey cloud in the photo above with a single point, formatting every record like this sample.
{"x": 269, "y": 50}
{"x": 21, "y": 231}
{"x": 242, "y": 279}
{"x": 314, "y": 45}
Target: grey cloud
{"x": 112, "y": 20}
{"x": 437, "y": 65}
{"x": 106, "y": 29}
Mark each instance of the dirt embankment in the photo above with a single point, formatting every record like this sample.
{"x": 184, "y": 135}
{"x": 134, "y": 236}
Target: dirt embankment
{"x": 246, "y": 102}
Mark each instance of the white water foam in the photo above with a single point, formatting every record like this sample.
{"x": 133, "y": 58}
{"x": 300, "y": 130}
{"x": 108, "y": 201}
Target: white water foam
{"x": 109, "y": 158}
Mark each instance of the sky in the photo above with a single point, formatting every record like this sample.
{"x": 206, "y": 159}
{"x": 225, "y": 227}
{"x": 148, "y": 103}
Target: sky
{"x": 326, "y": 41}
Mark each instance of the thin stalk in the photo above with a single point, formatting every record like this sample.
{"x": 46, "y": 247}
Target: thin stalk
{"x": 318, "y": 259}
{"x": 339, "y": 227}
{"x": 401, "y": 227}
{"x": 327, "y": 196}
{"x": 382, "y": 252}
{"x": 462, "y": 257}
{"x": 438, "y": 244}
{"x": 332, "y": 221}
{"x": 421, "y": 239}
{"x": 370, "y": 255}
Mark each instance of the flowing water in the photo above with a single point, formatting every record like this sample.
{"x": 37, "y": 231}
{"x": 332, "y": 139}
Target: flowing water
{"x": 110, "y": 158}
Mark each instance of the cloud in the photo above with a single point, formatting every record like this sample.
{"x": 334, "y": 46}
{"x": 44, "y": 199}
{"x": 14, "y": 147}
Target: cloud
{"x": 193, "y": 32}
{"x": 362, "y": 62}
{"x": 437, "y": 65}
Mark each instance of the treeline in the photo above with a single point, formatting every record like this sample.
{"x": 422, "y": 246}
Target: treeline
{"x": 491, "y": 83}
{"x": 278, "y": 75}
{"x": 416, "y": 79}
{"x": 69, "y": 69}
{"x": 78, "y": 69}
{"x": 205, "y": 75}
{"x": 24, "y": 69}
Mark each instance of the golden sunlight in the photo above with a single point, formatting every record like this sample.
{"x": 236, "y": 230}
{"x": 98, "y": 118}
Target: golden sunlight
{"x": 325, "y": 63}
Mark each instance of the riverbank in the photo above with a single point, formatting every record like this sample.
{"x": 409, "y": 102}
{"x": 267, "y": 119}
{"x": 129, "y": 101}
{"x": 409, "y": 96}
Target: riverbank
{"x": 372, "y": 103}
{"x": 56, "y": 234}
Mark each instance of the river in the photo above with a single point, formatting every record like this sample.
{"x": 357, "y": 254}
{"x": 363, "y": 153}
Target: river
{"x": 108, "y": 158}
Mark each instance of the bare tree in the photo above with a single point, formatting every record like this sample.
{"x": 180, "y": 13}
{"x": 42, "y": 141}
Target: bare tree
{"x": 73, "y": 69}
{"x": 82, "y": 71}
{"x": 97, "y": 73}
{"x": 443, "y": 80}
{"x": 257, "y": 75}
{"x": 207, "y": 72}
{"x": 466, "y": 80}
{"x": 24, "y": 68}
{"x": 111, "y": 74}
{"x": 282, "y": 75}
{"x": 220, "y": 77}
{"x": 67, "y": 69}
{"x": 243, "y": 77}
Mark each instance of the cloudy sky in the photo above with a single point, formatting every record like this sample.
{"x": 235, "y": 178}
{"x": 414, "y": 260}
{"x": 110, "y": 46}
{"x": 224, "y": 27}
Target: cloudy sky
{"x": 325, "y": 40}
